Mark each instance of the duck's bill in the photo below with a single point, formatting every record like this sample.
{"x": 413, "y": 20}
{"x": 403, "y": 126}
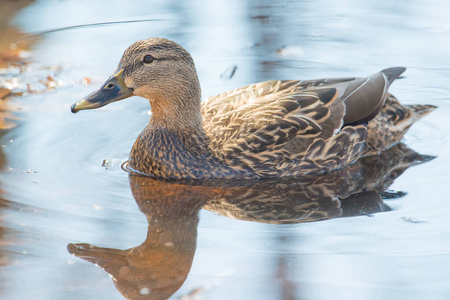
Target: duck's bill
{"x": 114, "y": 89}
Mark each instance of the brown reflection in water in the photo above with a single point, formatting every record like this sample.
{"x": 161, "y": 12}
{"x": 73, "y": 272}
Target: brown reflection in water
{"x": 19, "y": 76}
{"x": 13, "y": 53}
{"x": 158, "y": 267}
{"x": 354, "y": 190}
{"x": 10, "y": 48}
{"x": 10, "y": 42}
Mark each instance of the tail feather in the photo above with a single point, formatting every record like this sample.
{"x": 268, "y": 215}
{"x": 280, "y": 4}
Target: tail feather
{"x": 417, "y": 112}
{"x": 392, "y": 123}
{"x": 393, "y": 73}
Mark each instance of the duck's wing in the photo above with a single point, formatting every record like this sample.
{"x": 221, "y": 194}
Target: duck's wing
{"x": 269, "y": 114}
{"x": 261, "y": 122}
{"x": 364, "y": 97}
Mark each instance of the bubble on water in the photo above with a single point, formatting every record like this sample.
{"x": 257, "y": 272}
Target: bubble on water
{"x": 97, "y": 207}
{"x": 169, "y": 244}
{"x": 144, "y": 291}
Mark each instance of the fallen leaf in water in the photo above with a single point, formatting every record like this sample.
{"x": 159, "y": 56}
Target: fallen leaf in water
{"x": 86, "y": 81}
{"x": 49, "y": 82}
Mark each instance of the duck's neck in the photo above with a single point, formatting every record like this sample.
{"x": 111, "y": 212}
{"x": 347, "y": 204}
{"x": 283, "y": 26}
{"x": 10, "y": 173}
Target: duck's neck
{"x": 177, "y": 108}
{"x": 174, "y": 144}
{"x": 176, "y": 120}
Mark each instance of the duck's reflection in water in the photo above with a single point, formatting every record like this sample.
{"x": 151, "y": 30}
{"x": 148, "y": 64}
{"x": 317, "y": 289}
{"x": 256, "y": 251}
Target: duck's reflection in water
{"x": 157, "y": 268}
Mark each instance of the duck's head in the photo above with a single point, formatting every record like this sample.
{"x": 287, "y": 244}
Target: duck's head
{"x": 157, "y": 69}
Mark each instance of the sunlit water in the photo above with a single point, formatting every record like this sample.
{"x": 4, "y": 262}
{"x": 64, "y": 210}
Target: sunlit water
{"x": 59, "y": 193}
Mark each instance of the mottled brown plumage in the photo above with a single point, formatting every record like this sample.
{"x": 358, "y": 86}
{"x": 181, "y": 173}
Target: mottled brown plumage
{"x": 265, "y": 130}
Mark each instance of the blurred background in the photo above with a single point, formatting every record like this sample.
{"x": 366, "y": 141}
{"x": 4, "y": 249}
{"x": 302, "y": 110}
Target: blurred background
{"x": 61, "y": 180}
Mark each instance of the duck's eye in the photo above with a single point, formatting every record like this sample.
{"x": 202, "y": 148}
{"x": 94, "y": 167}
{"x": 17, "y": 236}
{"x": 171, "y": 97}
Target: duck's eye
{"x": 148, "y": 59}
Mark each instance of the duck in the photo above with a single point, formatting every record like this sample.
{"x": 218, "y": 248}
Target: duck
{"x": 271, "y": 129}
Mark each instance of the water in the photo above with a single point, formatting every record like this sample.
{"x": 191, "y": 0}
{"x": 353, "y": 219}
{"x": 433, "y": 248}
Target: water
{"x": 58, "y": 193}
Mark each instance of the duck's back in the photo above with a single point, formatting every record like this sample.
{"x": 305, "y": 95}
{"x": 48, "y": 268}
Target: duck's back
{"x": 278, "y": 128}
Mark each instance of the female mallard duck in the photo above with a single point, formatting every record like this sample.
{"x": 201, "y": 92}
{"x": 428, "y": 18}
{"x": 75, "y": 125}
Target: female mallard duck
{"x": 268, "y": 129}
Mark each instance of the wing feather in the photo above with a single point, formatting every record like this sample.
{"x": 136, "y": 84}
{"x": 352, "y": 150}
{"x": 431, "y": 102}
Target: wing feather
{"x": 269, "y": 125}
{"x": 281, "y": 110}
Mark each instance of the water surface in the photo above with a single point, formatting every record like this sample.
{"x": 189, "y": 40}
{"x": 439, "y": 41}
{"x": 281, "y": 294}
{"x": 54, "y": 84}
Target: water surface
{"x": 57, "y": 193}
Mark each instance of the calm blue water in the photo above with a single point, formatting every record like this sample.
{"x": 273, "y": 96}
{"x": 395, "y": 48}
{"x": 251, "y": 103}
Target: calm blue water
{"x": 68, "y": 197}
